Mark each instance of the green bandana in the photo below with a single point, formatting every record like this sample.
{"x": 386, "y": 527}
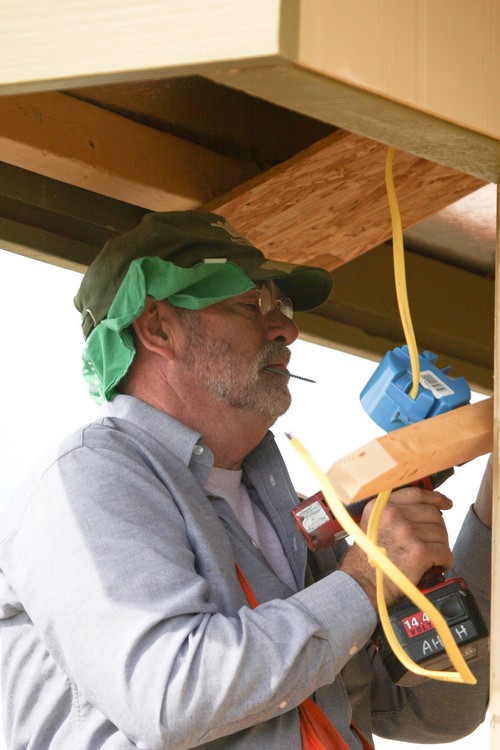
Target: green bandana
{"x": 109, "y": 349}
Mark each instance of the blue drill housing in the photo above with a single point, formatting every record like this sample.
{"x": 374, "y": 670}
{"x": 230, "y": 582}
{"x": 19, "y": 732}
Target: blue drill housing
{"x": 386, "y": 399}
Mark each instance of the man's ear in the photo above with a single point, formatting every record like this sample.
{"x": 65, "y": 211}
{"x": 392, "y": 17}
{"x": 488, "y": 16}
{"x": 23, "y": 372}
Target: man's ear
{"x": 153, "y": 327}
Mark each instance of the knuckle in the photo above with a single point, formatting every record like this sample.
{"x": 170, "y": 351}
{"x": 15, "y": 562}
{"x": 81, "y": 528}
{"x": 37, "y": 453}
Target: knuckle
{"x": 392, "y": 513}
{"x": 403, "y": 494}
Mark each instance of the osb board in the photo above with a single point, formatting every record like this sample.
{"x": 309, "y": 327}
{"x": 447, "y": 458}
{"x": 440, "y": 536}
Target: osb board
{"x": 328, "y": 204}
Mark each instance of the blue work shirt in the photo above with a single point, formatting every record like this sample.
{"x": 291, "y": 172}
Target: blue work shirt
{"x": 123, "y": 624}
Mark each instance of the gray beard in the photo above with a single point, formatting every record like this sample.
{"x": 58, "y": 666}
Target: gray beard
{"x": 238, "y": 384}
{"x": 254, "y": 390}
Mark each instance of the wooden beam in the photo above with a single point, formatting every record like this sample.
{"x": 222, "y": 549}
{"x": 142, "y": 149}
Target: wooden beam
{"x": 55, "y": 222}
{"x": 70, "y": 140}
{"x": 328, "y": 204}
{"x": 45, "y": 246}
{"x": 416, "y": 451}
{"x": 362, "y": 314}
{"x": 350, "y": 107}
{"x": 218, "y": 117}
{"x": 420, "y": 52}
{"x": 58, "y": 45}
{"x": 494, "y": 707}
{"x": 353, "y": 339}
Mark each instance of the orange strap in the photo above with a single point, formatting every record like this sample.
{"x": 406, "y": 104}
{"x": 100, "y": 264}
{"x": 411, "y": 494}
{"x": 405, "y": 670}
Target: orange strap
{"x": 247, "y": 589}
{"x": 317, "y": 731}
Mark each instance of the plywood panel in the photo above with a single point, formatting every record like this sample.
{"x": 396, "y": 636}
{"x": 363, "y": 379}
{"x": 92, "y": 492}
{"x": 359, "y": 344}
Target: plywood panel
{"x": 328, "y": 204}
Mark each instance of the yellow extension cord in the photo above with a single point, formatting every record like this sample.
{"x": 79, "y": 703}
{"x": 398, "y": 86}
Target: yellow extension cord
{"x": 368, "y": 542}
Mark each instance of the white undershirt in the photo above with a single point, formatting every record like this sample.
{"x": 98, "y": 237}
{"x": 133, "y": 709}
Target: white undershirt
{"x": 227, "y": 483}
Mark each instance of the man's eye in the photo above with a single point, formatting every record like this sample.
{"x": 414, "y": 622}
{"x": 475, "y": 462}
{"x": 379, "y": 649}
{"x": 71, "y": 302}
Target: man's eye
{"x": 252, "y": 307}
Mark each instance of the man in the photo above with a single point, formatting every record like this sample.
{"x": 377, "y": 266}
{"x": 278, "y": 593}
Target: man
{"x": 125, "y": 620}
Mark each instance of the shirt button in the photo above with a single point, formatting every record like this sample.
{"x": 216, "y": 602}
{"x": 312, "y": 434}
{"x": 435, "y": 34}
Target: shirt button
{"x": 198, "y": 450}
{"x": 283, "y": 704}
{"x": 353, "y": 650}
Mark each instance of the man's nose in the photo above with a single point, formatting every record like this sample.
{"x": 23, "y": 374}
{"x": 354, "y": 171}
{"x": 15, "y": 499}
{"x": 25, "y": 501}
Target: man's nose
{"x": 279, "y": 327}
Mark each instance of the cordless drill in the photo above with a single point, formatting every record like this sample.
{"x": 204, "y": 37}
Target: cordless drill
{"x": 413, "y": 628}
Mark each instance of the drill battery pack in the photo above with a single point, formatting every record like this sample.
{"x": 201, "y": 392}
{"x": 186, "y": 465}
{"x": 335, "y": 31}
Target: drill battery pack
{"x": 420, "y": 640}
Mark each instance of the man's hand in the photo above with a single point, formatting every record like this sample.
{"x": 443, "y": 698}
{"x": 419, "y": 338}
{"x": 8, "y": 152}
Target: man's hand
{"x": 413, "y": 533}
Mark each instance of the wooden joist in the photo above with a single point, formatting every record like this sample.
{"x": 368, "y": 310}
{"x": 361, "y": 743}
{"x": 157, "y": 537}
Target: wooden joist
{"x": 416, "y": 451}
{"x": 66, "y": 139}
{"x": 325, "y": 206}
{"x": 360, "y": 111}
{"x": 362, "y": 314}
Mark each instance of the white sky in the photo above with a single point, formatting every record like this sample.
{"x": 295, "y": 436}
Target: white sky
{"x": 44, "y": 397}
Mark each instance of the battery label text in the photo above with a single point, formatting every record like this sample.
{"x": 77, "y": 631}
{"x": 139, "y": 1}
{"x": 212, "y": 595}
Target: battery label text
{"x": 313, "y": 516}
{"x": 416, "y": 624}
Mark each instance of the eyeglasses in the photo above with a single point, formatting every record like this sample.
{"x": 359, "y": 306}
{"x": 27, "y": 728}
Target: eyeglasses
{"x": 270, "y": 300}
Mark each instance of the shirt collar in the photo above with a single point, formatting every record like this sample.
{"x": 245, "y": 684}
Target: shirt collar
{"x": 182, "y": 441}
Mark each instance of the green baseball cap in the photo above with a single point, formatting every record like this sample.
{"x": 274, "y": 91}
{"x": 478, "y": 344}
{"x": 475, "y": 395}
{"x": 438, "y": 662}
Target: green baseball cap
{"x": 186, "y": 238}
{"x": 190, "y": 258}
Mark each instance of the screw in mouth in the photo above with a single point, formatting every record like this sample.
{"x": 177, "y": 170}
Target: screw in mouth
{"x": 285, "y": 373}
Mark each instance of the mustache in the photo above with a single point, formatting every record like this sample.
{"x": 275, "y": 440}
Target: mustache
{"x": 273, "y": 352}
